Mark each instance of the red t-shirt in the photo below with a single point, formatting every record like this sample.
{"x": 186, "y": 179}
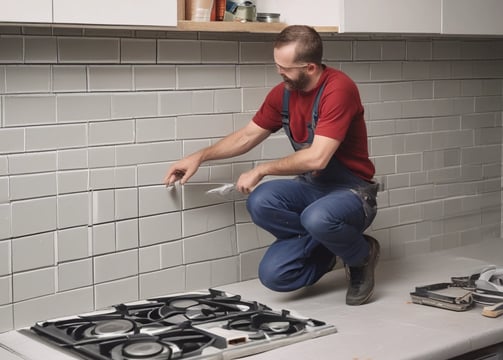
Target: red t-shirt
{"x": 340, "y": 117}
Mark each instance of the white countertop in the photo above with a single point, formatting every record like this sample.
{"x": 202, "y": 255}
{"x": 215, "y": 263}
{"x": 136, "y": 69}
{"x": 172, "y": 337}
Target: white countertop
{"x": 390, "y": 327}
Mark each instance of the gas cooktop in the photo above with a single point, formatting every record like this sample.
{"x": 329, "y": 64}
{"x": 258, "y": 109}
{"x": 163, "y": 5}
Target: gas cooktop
{"x": 198, "y": 325}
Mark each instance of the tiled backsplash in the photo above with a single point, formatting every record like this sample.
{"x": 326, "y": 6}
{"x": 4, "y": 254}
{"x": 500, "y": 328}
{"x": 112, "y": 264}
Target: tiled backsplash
{"x": 90, "y": 121}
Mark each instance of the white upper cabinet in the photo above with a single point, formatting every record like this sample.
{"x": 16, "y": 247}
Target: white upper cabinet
{"x": 391, "y": 16}
{"x": 116, "y": 12}
{"x": 473, "y": 17}
{"x": 29, "y": 11}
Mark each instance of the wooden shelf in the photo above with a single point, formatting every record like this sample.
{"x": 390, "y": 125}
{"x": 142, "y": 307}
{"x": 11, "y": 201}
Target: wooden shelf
{"x": 235, "y": 26}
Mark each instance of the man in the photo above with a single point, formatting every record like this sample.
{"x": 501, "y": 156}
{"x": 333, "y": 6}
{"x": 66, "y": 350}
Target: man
{"x": 322, "y": 212}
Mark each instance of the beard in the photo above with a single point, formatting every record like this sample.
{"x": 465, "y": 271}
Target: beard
{"x": 296, "y": 84}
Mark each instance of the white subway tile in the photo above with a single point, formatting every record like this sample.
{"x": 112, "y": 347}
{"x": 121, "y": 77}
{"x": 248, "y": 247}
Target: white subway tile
{"x": 111, "y": 132}
{"x": 225, "y": 271}
{"x": 386, "y": 71}
{"x": 73, "y": 181}
{"x": 178, "y": 51}
{"x": 211, "y": 245}
{"x": 149, "y": 259}
{"x": 156, "y": 200}
{"x": 160, "y": 228}
{"x": 147, "y": 153}
{"x": 4, "y": 190}
{"x": 154, "y": 77}
{"x": 73, "y": 243}
{"x": 419, "y": 50}
{"x": 27, "y": 78}
{"x": 103, "y": 206}
{"x": 75, "y": 274}
{"x": 275, "y": 147}
{"x": 155, "y": 129}
{"x": 99, "y": 157}
{"x": 255, "y": 52}
{"x": 83, "y": 107}
{"x": 134, "y": 105}
{"x": 125, "y": 176}
{"x": 67, "y": 303}
{"x": 31, "y": 252}
{"x": 206, "y": 77}
{"x": 366, "y": 50}
{"x": 115, "y": 292}
{"x": 162, "y": 282}
{"x": 219, "y": 52}
{"x": 103, "y": 238}
{"x": 22, "y": 110}
{"x": 251, "y": 76}
{"x": 228, "y": 100}
{"x": 56, "y": 137}
{"x": 5, "y": 290}
{"x": 33, "y": 216}
{"x": 115, "y": 266}
{"x": 337, "y": 50}
{"x": 253, "y": 98}
{"x": 40, "y": 49}
{"x": 11, "y": 49}
{"x": 139, "y": 51}
{"x": 171, "y": 254}
{"x": 5, "y": 256}
{"x": 126, "y": 203}
{"x": 73, "y": 210}
{"x": 396, "y": 91}
{"x": 175, "y": 103}
{"x": 2, "y": 84}
{"x": 102, "y": 179}
{"x": 200, "y": 126}
{"x": 357, "y": 71}
{"x": 92, "y": 50}
{"x": 30, "y": 186}
{"x": 202, "y": 220}
{"x": 249, "y": 262}
{"x": 446, "y": 49}
{"x": 12, "y": 141}
{"x": 72, "y": 159}
{"x": 203, "y": 102}
{"x": 32, "y": 284}
{"x": 110, "y": 77}
{"x": 416, "y": 70}
{"x": 126, "y": 234}
{"x": 198, "y": 276}
{"x": 69, "y": 78}
{"x": 6, "y": 318}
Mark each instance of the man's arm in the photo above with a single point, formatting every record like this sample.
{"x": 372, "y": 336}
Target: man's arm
{"x": 315, "y": 157}
{"x": 234, "y": 144}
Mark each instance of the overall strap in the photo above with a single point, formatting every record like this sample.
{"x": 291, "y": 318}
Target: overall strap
{"x": 285, "y": 118}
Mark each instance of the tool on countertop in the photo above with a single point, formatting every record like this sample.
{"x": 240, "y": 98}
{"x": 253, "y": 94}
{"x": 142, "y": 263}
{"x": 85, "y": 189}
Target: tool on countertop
{"x": 493, "y": 310}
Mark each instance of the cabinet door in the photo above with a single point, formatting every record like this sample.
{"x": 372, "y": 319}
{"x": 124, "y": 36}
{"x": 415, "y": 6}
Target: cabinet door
{"x": 116, "y": 12}
{"x": 472, "y": 17}
{"x": 391, "y": 16}
{"x": 26, "y": 11}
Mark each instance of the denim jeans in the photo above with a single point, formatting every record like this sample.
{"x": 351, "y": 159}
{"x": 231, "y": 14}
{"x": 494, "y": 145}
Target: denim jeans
{"x": 313, "y": 220}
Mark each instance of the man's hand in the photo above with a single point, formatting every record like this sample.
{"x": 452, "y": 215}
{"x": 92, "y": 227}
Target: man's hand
{"x": 248, "y": 180}
{"x": 182, "y": 170}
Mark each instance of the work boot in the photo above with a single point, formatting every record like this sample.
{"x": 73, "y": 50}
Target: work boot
{"x": 361, "y": 278}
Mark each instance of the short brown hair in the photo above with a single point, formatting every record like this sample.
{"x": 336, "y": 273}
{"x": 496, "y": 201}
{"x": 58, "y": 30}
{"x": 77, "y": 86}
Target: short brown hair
{"x": 309, "y": 47}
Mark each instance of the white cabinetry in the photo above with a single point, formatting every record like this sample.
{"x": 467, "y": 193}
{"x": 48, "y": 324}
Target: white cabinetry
{"x": 116, "y": 12}
{"x": 474, "y": 17}
{"x": 391, "y": 16}
{"x": 29, "y": 11}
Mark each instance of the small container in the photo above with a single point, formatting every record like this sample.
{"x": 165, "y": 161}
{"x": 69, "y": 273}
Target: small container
{"x": 198, "y": 10}
{"x": 268, "y": 17}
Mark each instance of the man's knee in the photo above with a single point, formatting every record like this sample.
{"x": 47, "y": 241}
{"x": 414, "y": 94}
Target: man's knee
{"x": 273, "y": 278}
